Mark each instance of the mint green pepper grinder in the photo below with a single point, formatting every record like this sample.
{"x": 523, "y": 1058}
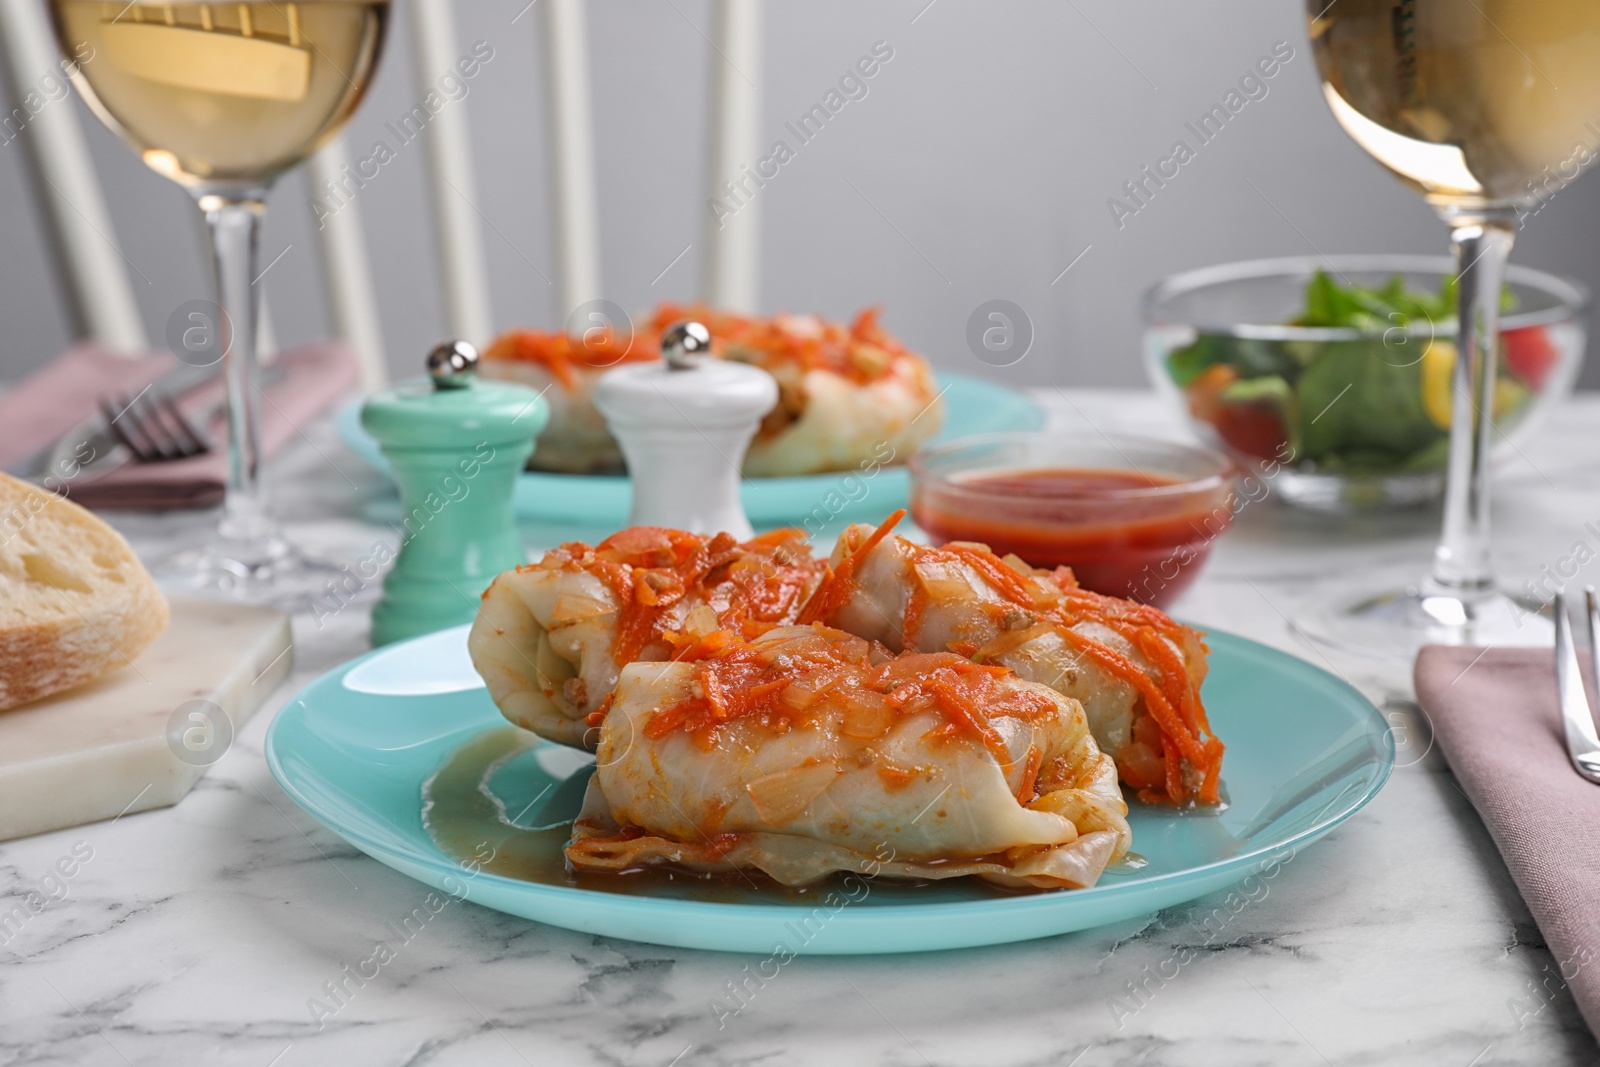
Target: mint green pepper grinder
{"x": 457, "y": 445}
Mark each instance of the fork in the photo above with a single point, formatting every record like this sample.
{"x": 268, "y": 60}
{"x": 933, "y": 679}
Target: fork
{"x": 153, "y": 428}
{"x": 1583, "y": 746}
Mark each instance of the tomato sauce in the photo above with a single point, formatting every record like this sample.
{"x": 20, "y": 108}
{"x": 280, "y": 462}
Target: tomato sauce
{"x": 1145, "y": 546}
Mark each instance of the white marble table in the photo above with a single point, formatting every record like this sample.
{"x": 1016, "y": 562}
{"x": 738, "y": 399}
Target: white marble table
{"x": 199, "y": 934}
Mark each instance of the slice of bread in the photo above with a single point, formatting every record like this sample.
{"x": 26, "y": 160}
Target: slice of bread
{"x": 75, "y": 602}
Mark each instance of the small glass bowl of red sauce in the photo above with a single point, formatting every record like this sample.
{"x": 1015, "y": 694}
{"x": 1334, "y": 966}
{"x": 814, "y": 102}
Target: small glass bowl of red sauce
{"x": 1133, "y": 517}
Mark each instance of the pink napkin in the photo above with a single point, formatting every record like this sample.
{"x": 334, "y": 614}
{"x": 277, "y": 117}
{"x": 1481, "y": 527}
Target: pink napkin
{"x": 39, "y": 410}
{"x": 1498, "y": 722}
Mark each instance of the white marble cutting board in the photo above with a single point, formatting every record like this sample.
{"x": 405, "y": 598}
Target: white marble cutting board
{"x": 141, "y": 737}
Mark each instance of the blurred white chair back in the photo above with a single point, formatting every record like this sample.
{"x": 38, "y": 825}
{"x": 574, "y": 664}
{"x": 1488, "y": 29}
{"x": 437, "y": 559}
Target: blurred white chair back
{"x": 93, "y": 272}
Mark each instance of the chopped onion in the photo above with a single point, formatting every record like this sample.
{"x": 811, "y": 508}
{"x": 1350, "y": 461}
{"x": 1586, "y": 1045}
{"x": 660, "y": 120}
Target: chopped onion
{"x": 867, "y": 716}
{"x": 701, "y": 621}
{"x": 855, "y": 649}
{"x": 574, "y": 607}
{"x": 943, "y": 580}
{"x": 806, "y": 690}
{"x": 910, "y": 666}
{"x": 1010, "y": 640}
{"x": 784, "y": 795}
{"x": 872, "y": 360}
{"x": 1016, "y": 563}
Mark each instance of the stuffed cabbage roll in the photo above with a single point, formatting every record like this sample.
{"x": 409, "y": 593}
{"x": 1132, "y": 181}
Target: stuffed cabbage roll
{"x": 850, "y": 396}
{"x": 551, "y": 637}
{"x": 1135, "y": 670}
{"x": 809, "y": 751}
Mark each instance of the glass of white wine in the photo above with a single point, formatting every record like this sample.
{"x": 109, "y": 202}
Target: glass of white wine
{"x": 1470, "y": 102}
{"x": 223, "y": 98}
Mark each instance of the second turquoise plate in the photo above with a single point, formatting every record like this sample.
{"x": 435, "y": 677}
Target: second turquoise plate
{"x": 354, "y": 749}
{"x": 600, "y": 502}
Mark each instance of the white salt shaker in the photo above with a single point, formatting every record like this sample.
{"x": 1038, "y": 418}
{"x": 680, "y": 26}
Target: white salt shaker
{"x": 684, "y": 424}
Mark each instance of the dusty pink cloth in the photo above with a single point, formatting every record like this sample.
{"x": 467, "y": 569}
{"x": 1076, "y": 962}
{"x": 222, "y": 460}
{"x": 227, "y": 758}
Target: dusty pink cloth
{"x": 39, "y": 410}
{"x": 1498, "y": 722}
{"x": 36, "y": 411}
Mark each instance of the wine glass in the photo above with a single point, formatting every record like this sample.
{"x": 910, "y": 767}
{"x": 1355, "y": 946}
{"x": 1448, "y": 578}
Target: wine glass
{"x": 223, "y": 98}
{"x": 1477, "y": 104}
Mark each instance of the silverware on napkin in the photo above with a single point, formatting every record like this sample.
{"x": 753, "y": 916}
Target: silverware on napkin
{"x": 1583, "y": 746}
{"x": 98, "y": 439}
{"x": 154, "y": 428}
{"x": 90, "y": 443}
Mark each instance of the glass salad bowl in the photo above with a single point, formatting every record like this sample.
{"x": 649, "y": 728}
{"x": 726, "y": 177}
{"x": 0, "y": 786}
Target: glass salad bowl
{"x": 1331, "y": 376}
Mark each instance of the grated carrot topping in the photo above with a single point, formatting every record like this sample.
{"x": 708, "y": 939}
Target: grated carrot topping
{"x": 736, "y": 680}
{"x": 561, "y": 354}
{"x": 1030, "y": 775}
{"x": 1001, "y": 578}
{"x": 1174, "y": 703}
{"x": 650, "y": 572}
{"x": 862, "y": 351}
{"x": 1189, "y": 754}
{"x": 836, "y": 587}
{"x": 916, "y": 607}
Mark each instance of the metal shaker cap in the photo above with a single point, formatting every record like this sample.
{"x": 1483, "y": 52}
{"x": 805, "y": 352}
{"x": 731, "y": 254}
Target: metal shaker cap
{"x": 683, "y": 340}
{"x": 452, "y": 365}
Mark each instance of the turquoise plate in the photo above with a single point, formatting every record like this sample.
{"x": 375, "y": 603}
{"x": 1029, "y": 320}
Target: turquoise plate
{"x": 600, "y": 502}
{"x": 1305, "y": 751}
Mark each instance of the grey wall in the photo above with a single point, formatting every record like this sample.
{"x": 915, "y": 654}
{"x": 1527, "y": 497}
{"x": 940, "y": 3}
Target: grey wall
{"x": 978, "y": 166}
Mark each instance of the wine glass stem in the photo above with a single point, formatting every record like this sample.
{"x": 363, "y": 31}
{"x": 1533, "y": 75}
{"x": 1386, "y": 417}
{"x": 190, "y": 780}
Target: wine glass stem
{"x": 234, "y": 224}
{"x": 1482, "y": 241}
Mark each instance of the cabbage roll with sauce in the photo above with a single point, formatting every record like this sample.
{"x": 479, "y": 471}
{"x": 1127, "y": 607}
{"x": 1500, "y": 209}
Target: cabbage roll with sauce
{"x": 850, "y": 396}
{"x": 1136, "y": 671}
{"x": 809, "y": 751}
{"x": 565, "y": 370}
{"x": 551, "y": 637}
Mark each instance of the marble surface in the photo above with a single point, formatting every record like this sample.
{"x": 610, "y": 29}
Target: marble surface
{"x": 214, "y": 931}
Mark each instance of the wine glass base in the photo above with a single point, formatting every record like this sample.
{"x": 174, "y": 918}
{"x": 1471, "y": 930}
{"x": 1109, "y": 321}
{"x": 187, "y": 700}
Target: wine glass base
{"x": 1390, "y": 626}
{"x": 266, "y": 571}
